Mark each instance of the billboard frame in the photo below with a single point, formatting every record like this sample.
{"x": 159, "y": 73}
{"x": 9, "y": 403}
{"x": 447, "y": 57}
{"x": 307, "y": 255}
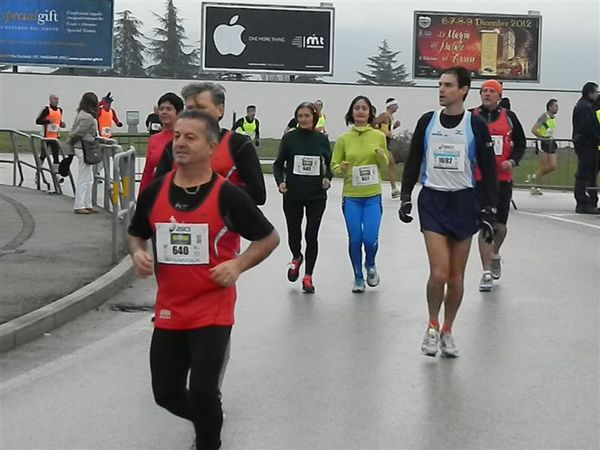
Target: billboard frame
{"x": 77, "y": 66}
{"x": 331, "y": 10}
{"x": 462, "y": 14}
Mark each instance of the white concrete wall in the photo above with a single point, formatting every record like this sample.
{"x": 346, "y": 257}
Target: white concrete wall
{"x": 23, "y": 95}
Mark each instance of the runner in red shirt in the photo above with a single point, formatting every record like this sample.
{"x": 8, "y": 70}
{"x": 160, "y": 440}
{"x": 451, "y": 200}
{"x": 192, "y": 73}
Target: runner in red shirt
{"x": 509, "y": 146}
{"x": 194, "y": 218}
{"x": 169, "y": 105}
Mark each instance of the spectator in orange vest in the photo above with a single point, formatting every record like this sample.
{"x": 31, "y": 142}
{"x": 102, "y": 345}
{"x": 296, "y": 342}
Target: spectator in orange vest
{"x": 106, "y": 117}
{"x": 51, "y": 118}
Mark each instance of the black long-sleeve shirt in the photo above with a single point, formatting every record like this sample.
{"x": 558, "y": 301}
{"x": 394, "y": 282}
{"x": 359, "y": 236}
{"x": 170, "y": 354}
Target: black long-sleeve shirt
{"x": 518, "y": 134}
{"x": 300, "y": 142}
{"x": 586, "y": 128}
{"x": 237, "y": 210}
{"x": 245, "y": 159}
{"x": 486, "y": 159}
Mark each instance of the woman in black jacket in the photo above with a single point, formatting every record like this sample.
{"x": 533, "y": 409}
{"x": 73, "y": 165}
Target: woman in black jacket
{"x": 303, "y": 176}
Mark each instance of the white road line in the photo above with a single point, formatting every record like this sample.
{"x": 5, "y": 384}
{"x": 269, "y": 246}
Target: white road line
{"x": 61, "y": 363}
{"x": 561, "y": 219}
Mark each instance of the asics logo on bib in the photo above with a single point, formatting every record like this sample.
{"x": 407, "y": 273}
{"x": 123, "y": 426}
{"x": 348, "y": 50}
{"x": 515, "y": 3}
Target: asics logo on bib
{"x": 173, "y": 222}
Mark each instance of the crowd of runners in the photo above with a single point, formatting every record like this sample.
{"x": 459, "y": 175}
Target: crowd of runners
{"x": 203, "y": 185}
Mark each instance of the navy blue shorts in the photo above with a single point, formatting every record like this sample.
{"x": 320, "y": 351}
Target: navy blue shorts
{"x": 454, "y": 214}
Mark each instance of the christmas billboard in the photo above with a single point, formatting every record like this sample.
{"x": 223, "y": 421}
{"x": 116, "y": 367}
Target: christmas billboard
{"x": 488, "y": 45}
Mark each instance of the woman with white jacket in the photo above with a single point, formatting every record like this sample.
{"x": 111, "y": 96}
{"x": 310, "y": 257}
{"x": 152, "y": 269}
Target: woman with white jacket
{"x": 84, "y": 129}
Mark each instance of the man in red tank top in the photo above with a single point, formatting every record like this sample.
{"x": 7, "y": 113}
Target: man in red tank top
{"x": 509, "y": 146}
{"x": 195, "y": 218}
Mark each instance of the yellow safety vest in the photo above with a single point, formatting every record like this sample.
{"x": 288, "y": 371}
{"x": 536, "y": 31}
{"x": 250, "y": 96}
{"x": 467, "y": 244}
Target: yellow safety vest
{"x": 247, "y": 128}
{"x": 548, "y": 127}
{"x": 321, "y": 121}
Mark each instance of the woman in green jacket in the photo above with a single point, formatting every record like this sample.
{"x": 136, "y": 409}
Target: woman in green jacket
{"x": 359, "y": 155}
{"x": 302, "y": 174}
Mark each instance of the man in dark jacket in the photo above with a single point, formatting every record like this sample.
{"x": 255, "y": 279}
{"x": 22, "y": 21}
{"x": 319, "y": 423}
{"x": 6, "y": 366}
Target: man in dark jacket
{"x": 586, "y": 138}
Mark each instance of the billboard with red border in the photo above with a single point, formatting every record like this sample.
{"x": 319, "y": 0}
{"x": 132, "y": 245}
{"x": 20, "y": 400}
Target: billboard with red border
{"x": 504, "y": 47}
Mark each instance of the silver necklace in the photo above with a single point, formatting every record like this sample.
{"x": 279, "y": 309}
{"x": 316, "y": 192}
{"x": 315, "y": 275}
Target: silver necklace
{"x": 191, "y": 192}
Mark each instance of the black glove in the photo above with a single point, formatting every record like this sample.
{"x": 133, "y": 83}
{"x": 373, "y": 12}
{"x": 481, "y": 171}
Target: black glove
{"x": 404, "y": 211}
{"x": 489, "y": 225}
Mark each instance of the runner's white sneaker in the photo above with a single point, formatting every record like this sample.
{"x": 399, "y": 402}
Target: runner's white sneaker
{"x": 372, "y": 276}
{"x": 487, "y": 282}
{"x": 535, "y": 191}
{"x": 430, "y": 343}
{"x": 359, "y": 286}
{"x": 447, "y": 346}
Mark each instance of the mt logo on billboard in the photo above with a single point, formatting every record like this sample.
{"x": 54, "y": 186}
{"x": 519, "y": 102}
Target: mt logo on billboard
{"x": 313, "y": 41}
{"x": 228, "y": 38}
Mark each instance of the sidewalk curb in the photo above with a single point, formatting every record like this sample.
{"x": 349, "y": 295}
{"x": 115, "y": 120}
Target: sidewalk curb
{"x": 49, "y": 317}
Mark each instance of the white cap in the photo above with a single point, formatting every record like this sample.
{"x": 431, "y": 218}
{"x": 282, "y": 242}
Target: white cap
{"x": 391, "y": 103}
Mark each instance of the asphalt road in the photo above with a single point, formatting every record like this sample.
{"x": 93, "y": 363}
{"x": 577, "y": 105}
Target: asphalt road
{"x": 340, "y": 370}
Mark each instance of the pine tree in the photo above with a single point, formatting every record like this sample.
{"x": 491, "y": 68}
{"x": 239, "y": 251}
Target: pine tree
{"x": 383, "y": 69}
{"x": 167, "y": 48}
{"x": 128, "y": 46}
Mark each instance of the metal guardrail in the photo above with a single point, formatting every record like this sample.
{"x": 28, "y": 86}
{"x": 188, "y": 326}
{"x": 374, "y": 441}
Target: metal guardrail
{"x": 116, "y": 173}
{"x": 122, "y": 198}
{"x": 140, "y": 143}
{"x": 16, "y": 162}
{"x": 40, "y": 171}
{"x": 51, "y": 169}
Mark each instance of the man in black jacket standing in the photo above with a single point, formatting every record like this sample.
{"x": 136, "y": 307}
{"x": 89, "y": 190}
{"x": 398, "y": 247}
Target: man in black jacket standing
{"x": 586, "y": 138}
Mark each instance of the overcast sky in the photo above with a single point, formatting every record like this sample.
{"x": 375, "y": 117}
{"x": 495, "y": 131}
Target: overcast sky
{"x": 570, "y": 32}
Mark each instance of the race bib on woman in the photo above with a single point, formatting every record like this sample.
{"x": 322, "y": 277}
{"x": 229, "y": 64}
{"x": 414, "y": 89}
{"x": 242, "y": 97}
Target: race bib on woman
{"x": 307, "y": 165}
{"x": 365, "y": 175}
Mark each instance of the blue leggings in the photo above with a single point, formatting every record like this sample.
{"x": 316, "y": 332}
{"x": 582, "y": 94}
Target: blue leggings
{"x": 363, "y": 219}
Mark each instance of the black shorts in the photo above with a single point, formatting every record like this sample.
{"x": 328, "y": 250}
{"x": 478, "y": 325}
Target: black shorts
{"x": 547, "y": 146}
{"x": 504, "y": 198}
{"x": 454, "y": 214}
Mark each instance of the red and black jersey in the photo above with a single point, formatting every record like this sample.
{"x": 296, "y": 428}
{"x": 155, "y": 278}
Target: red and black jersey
{"x": 186, "y": 295}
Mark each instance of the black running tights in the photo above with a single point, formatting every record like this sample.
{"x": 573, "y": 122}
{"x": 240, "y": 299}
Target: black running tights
{"x": 53, "y": 147}
{"x": 294, "y": 213}
{"x": 199, "y": 352}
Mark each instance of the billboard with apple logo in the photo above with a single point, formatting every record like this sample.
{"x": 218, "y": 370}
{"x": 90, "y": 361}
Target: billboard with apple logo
{"x": 279, "y": 39}
{"x": 503, "y": 47}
